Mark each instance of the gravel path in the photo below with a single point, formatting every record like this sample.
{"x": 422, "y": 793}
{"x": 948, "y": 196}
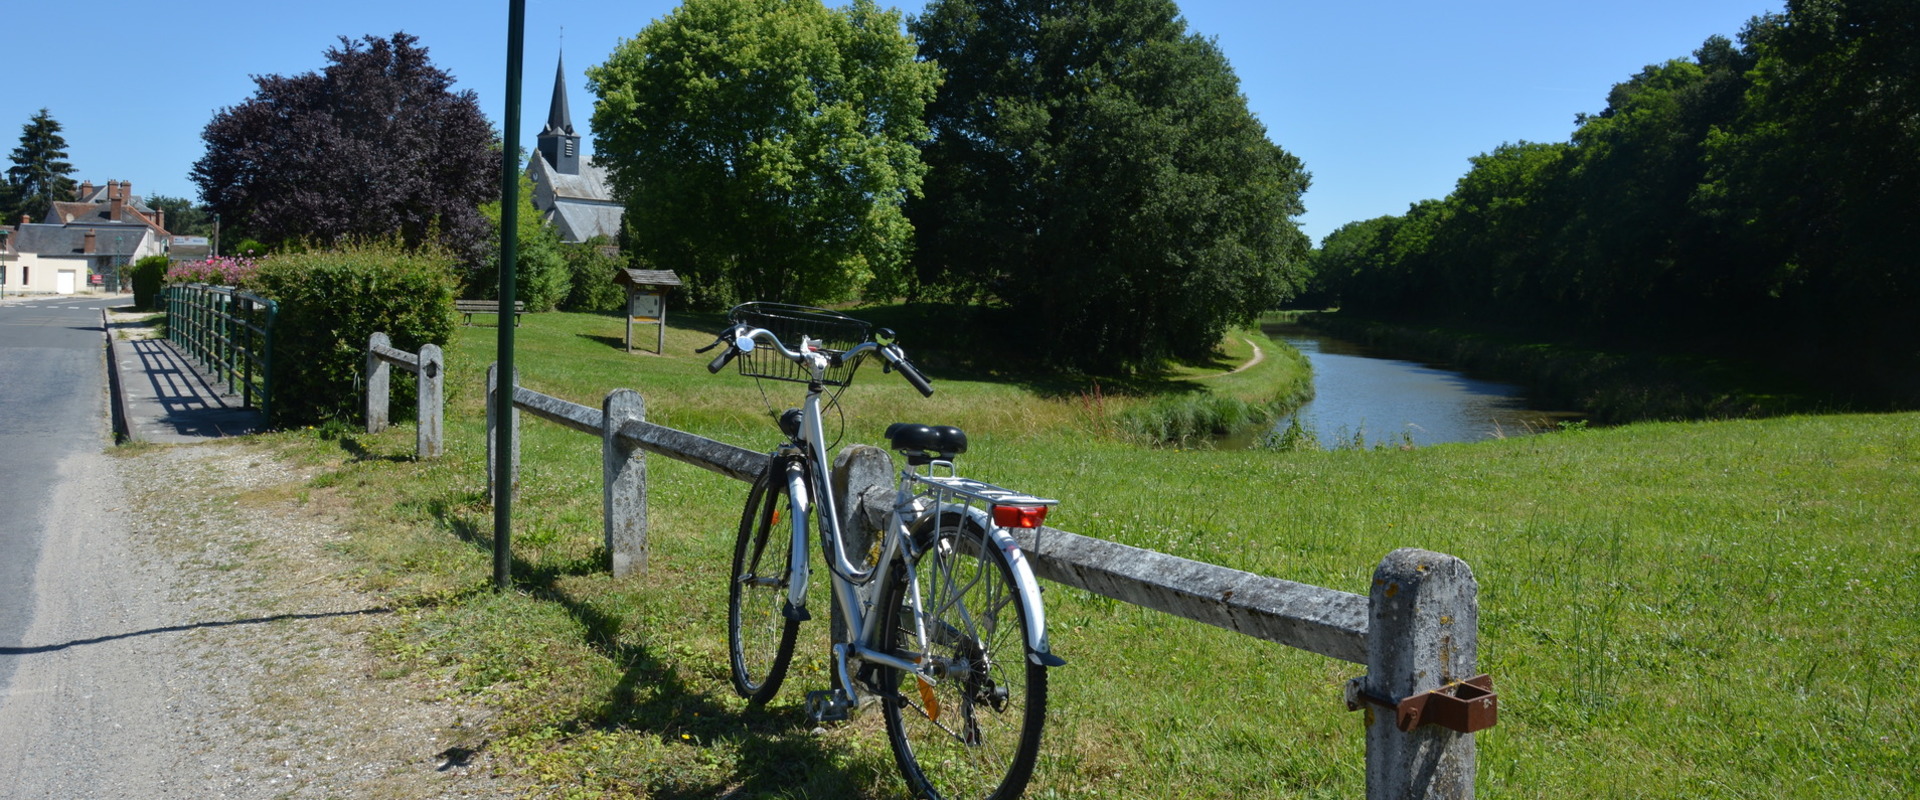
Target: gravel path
{"x": 194, "y": 637}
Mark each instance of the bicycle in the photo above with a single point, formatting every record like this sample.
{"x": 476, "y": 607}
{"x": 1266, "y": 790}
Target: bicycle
{"x": 944, "y": 621}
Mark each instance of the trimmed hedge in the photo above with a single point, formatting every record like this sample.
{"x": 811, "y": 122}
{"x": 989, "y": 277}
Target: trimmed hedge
{"x": 331, "y": 302}
{"x": 148, "y": 275}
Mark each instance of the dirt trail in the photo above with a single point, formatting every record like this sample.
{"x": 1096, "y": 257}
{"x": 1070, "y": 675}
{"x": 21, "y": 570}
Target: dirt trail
{"x": 188, "y": 645}
{"x": 1258, "y": 356}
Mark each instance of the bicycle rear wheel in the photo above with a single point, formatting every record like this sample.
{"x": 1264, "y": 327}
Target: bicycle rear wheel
{"x": 974, "y": 731}
{"x": 759, "y": 634}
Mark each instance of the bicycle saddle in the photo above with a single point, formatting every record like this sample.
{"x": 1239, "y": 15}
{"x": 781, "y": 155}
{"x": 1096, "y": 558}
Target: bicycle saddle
{"x": 923, "y": 443}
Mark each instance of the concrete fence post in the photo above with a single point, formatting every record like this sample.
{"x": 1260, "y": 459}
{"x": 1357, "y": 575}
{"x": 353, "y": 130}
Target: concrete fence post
{"x": 859, "y": 470}
{"x": 379, "y": 375}
{"x": 624, "y": 483}
{"x": 497, "y": 404}
{"x": 1422, "y": 635}
{"x": 432, "y": 403}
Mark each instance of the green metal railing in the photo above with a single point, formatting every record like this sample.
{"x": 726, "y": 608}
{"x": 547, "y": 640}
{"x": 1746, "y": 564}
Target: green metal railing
{"x": 230, "y": 333}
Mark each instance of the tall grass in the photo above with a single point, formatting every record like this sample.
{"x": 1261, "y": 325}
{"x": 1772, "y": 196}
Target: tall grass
{"x": 1669, "y": 610}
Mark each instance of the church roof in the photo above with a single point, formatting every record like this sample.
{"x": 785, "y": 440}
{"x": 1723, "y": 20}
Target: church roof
{"x": 578, "y": 222}
{"x": 581, "y": 206}
{"x": 591, "y": 185}
{"x": 558, "y": 118}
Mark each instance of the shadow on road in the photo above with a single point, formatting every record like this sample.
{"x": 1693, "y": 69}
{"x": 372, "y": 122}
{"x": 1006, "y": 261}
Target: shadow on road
{"x": 49, "y": 648}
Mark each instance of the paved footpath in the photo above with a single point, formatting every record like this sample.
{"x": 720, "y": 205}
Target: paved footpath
{"x": 161, "y": 395}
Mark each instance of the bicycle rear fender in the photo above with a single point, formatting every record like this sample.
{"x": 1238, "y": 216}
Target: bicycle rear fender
{"x": 1038, "y": 650}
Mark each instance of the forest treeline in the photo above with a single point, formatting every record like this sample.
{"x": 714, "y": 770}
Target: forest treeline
{"x": 1761, "y": 199}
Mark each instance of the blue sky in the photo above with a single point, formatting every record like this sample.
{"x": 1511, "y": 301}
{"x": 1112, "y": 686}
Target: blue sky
{"x": 1385, "y": 100}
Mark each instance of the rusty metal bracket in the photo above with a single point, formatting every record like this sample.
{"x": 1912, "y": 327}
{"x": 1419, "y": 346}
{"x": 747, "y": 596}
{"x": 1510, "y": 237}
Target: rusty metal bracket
{"x": 1461, "y": 706}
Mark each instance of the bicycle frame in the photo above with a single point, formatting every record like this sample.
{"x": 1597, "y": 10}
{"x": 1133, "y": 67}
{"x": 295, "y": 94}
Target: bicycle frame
{"x": 855, "y": 588}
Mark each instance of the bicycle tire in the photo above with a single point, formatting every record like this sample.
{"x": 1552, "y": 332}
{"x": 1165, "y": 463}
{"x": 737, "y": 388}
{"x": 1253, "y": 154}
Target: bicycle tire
{"x": 975, "y": 735}
{"x": 760, "y": 636}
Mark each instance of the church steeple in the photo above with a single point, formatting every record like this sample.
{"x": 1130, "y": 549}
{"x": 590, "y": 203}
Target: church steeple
{"x": 558, "y": 143}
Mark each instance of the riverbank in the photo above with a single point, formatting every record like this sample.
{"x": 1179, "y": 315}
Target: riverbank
{"x": 1664, "y": 606}
{"x": 1255, "y": 381}
{"x": 1611, "y": 387}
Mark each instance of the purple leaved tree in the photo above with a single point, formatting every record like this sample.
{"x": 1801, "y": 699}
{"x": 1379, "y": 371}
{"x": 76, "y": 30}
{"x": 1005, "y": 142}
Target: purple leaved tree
{"x": 376, "y": 144}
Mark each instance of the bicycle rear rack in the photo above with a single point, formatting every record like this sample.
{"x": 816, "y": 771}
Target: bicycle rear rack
{"x": 945, "y": 486}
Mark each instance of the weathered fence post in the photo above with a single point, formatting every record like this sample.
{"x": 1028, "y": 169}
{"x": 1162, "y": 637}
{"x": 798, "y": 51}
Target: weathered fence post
{"x": 1423, "y": 634}
{"x": 624, "y": 483}
{"x": 379, "y": 376}
{"x": 429, "y": 433}
{"x": 429, "y": 368}
{"x": 496, "y": 402}
{"x": 859, "y": 470}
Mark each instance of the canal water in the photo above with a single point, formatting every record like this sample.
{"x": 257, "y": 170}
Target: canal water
{"x": 1360, "y": 393}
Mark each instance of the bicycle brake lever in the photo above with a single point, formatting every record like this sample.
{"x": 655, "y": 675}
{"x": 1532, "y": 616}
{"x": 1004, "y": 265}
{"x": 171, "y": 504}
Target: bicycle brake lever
{"x": 717, "y": 341}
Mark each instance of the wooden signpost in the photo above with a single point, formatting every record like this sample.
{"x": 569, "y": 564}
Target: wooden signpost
{"x": 647, "y": 301}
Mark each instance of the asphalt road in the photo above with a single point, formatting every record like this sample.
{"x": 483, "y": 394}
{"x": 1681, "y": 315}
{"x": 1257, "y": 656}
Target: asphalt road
{"x": 52, "y": 406}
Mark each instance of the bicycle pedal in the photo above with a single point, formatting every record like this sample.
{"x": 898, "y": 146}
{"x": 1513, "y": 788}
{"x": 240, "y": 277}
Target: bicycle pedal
{"x": 828, "y": 705}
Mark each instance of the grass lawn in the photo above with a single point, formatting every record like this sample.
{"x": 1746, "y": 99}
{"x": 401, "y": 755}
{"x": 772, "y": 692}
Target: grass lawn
{"x": 1679, "y": 610}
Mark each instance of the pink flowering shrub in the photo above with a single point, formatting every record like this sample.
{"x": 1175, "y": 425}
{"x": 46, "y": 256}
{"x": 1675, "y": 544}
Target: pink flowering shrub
{"x": 221, "y": 270}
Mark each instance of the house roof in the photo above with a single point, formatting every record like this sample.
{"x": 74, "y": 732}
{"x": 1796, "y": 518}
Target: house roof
{"x": 110, "y": 239}
{"x": 98, "y": 194}
{"x": 87, "y": 212}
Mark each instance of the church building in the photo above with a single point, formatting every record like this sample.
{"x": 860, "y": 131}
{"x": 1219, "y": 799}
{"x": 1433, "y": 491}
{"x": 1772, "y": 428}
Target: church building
{"x": 570, "y": 191}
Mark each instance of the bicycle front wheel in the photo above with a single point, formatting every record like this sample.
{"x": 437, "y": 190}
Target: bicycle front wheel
{"x": 972, "y": 730}
{"x": 759, "y": 634}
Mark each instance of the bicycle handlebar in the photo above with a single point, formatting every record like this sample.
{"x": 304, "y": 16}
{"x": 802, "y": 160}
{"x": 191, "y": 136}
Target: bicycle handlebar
{"x": 894, "y": 356}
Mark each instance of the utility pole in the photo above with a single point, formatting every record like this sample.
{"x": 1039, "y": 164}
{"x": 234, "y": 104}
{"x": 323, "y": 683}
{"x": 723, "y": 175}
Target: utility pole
{"x": 509, "y": 245}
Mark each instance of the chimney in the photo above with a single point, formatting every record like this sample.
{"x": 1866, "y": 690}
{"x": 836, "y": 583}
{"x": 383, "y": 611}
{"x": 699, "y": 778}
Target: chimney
{"x": 86, "y": 245}
{"x": 86, "y": 190}
{"x": 160, "y": 218}
{"x": 116, "y": 202}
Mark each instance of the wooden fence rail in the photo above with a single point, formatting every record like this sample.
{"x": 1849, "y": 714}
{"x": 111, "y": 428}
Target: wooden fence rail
{"x": 1416, "y": 631}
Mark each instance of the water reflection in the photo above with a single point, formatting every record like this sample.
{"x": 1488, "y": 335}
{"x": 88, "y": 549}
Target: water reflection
{"x": 1360, "y": 394}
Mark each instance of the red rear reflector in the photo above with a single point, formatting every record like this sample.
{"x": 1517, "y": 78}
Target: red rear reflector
{"x": 1019, "y": 516}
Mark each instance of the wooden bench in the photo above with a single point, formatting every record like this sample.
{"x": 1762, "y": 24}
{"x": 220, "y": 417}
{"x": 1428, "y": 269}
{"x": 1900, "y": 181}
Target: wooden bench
{"x": 472, "y": 307}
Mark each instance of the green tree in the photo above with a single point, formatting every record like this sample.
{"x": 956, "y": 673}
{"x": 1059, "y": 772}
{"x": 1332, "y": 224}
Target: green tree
{"x": 591, "y": 286}
{"x": 540, "y": 274}
{"x": 1343, "y": 267}
{"x": 764, "y": 147}
{"x": 183, "y": 217}
{"x": 1095, "y": 169}
{"x": 1819, "y": 178}
{"x": 1499, "y": 246}
{"x": 40, "y": 173}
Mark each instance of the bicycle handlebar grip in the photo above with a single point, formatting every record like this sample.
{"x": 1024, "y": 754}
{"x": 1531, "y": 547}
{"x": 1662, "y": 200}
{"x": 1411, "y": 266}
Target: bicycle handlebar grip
{"x": 914, "y": 377}
{"x": 721, "y": 360}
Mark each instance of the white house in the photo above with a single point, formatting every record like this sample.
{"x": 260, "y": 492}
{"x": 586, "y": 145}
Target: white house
{"x": 82, "y": 244}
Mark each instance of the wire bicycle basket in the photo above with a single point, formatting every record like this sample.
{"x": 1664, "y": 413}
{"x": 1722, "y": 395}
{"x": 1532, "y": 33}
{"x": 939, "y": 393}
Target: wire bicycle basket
{"x": 835, "y": 333}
